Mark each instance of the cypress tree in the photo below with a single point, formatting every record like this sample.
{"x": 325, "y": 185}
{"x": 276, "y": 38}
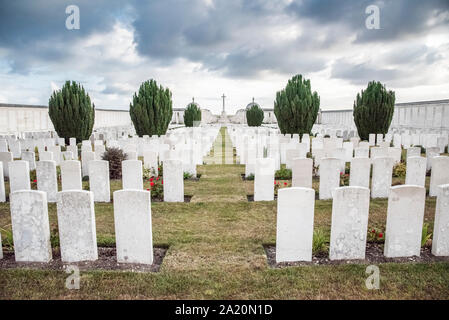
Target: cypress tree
{"x": 192, "y": 114}
{"x": 296, "y": 107}
{"x": 71, "y": 112}
{"x": 254, "y": 115}
{"x": 373, "y": 110}
{"x": 151, "y": 109}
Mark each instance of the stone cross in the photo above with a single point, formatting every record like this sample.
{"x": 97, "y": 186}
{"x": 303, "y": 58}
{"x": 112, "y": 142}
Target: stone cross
{"x": 224, "y": 97}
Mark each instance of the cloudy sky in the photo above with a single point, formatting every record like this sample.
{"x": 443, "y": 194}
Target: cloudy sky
{"x": 204, "y": 48}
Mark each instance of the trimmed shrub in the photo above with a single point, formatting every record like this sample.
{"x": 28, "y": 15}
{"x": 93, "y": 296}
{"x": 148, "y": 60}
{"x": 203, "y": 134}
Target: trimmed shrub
{"x": 114, "y": 156}
{"x": 192, "y": 114}
{"x": 151, "y": 109}
{"x": 373, "y": 110}
{"x": 71, "y": 112}
{"x": 296, "y": 107}
{"x": 254, "y": 116}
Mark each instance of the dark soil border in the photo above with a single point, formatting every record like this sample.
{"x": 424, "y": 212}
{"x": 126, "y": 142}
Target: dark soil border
{"x": 107, "y": 261}
{"x": 374, "y": 255}
{"x": 250, "y": 197}
{"x": 187, "y": 199}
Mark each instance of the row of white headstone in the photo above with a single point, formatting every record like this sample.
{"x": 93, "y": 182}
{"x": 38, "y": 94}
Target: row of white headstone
{"x": 77, "y": 228}
{"x": 360, "y": 175}
{"x": 99, "y": 183}
{"x": 350, "y": 211}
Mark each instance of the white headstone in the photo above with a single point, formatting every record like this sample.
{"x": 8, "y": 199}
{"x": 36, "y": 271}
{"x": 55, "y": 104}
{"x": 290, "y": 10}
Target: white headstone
{"x": 132, "y": 219}
{"x": 294, "y": 231}
{"x": 173, "y": 181}
{"x": 440, "y": 241}
{"x": 86, "y": 157}
{"x": 439, "y": 174}
{"x": 71, "y": 175}
{"x": 72, "y": 141}
{"x": 360, "y": 172}
{"x": 150, "y": 161}
{"x": 372, "y": 139}
{"x": 414, "y": 152}
{"x": 132, "y": 174}
{"x": 46, "y": 156}
{"x": 350, "y": 208}
{"x": 2, "y": 184}
{"x": 5, "y": 158}
{"x": 329, "y": 177}
{"x": 302, "y": 172}
{"x": 264, "y": 180}
{"x": 382, "y": 177}
{"x": 76, "y": 223}
{"x": 31, "y": 158}
{"x": 99, "y": 180}
{"x": 19, "y": 175}
{"x": 361, "y": 152}
{"x": 30, "y": 226}
{"x": 46, "y": 179}
{"x": 416, "y": 171}
{"x": 405, "y": 217}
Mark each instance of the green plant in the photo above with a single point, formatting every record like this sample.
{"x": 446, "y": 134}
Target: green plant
{"x": 71, "y": 112}
{"x": 400, "y": 170}
{"x": 151, "y": 109}
{"x": 54, "y": 238}
{"x": 423, "y": 150}
{"x": 296, "y": 107}
{"x": 254, "y": 115}
{"x": 320, "y": 242}
{"x": 283, "y": 174}
{"x": 250, "y": 177}
{"x": 187, "y": 175}
{"x": 156, "y": 186}
{"x": 8, "y": 240}
{"x": 426, "y": 235}
{"x": 375, "y": 235}
{"x": 114, "y": 156}
{"x": 344, "y": 179}
{"x": 373, "y": 110}
{"x": 278, "y": 185}
{"x": 192, "y": 115}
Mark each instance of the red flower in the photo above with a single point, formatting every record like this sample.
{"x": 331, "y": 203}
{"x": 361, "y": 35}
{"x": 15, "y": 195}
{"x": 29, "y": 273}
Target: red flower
{"x": 285, "y": 183}
{"x": 275, "y": 182}
{"x": 380, "y": 235}
{"x": 152, "y": 184}
{"x": 157, "y": 178}
{"x": 162, "y": 181}
{"x": 34, "y": 180}
{"x": 373, "y": 231}
{"x": 151, "y": 179}
{"x": 148, "y": 189}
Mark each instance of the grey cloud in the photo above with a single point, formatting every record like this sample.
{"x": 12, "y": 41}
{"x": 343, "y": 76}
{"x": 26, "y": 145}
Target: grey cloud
{"x": 362, "y": 73}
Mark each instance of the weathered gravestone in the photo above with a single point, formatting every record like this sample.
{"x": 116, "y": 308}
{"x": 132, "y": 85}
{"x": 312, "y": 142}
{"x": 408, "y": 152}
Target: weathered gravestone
{"x": 264, "y": 180}
{"x": 99, "y": 180}
{"x": 5, "y": 158}
{"x": 294, "y": 229}
{"x": 360, "y": 172}
{"x": 173, "y": 181}
{"x": 19, "y": 176}
{"x": 329, "y": 177}
{"x": 132, "y": 219}
{"x": 302, "y": 172}
{"x": 71, "y": 175}
{"x": 405, "y": 217}
{"x": 132, "y": 174}
{"x": 440, "y": 241}
{"x": 416, "y": 171}
{"x": 30, "y": 226}
{"x": 350, "y": 208}
{"x": 382, "y": 177}
{"x": 76, "y": 223}
{"x": 439, "y": 174}
{"x": 46, "y": 179}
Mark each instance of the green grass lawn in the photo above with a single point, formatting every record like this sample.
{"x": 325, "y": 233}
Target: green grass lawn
{"x": 216, "y": 252}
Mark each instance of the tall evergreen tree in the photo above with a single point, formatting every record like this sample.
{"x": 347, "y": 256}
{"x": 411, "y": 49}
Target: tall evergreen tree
{"x": 254, "y": 115}
{"x": 296, "y": 107}
{"x": 151, "y": 109}
{"x": 373, "y": 110}
{"x": 71, "y": 112}
{"x": 192, "y": 114}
